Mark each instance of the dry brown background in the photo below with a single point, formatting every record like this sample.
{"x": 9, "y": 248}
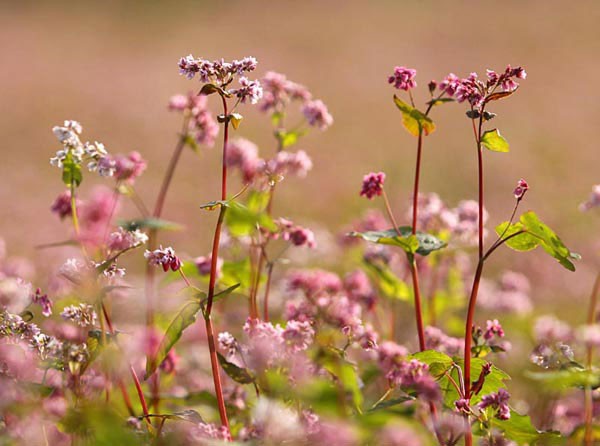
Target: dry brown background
{"x": 112, "y": 66}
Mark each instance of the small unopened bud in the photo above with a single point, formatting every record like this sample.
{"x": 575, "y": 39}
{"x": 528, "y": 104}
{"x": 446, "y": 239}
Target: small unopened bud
{"x": 521, "y": 188}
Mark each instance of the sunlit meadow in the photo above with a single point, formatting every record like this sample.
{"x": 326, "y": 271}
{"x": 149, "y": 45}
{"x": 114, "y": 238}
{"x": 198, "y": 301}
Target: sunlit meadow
{"x": 216, "y": 294}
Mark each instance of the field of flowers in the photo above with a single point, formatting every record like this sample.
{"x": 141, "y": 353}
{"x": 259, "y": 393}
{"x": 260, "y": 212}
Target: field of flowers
{"x": 414, "y": 321}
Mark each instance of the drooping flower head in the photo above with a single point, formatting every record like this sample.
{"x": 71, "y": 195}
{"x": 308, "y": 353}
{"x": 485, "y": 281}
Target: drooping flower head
{"x": 403, "y": 78}
{"x": 521, "y": 188}
{"x": 163, "y": 257}
{"x": 372, "y": 185}
{"x": 317, "y": 115}
{"x": 202, "y": 126}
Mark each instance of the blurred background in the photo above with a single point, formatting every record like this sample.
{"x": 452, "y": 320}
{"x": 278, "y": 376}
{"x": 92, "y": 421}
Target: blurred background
{"x": 113, "y": 66}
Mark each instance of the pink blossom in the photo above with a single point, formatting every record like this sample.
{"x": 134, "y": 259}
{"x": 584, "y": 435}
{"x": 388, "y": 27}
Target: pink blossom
{"x": 593, "y": 201}
{"x": 372, "y": 185}
{"x": 202, "y": 126}
{"x": 493, "y": 328}
{"x": 436, "y": 339}
{"x": 96, "y": 215}
{"x": 298, "y": 335}
{"x": 498, "y": 401}
{"x": 43, "y": 301}
{"x": 317, "y": 114}
{"x": 243, "y": 154}
{"x": 62, "y": 205}
{"x": 278, "y": 92}
{"x": 250, "y": 91}
{"x": 298, "y": 164}
{"x": 204, "y": 264}
{"x": 163, "y": 257}
{"x": 549, "y": 329}
{"x": 403, "y": 78}
{"x": 129, "y": 167}
{"x": 521, "y": 188}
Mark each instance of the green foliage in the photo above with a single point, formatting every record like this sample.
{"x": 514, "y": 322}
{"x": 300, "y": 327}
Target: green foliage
{"x": 257, "y": 201}
{"x": 71, "y": 174}
{"x": 98, "y": 425}
{"x": 536, "y": 233}
{"x": 388, "y": 283}
{"x": 439, "y": 363}
{"x": 439, "y": 101}
{"x": 150, "y": 223}
{"x": 238, "y": 374}
{"x": 421, "y": 243}
{"x": 183, "y": 319}
{"x": 565, "y": 379}
{"x": 242, "y": 221}
{"x": 414, "y": 120}
{"x": 237, "y": 272}
{"x": 494, "y": 141}
{"x": 520, "y": 429}
{"x": 288, "y": 138}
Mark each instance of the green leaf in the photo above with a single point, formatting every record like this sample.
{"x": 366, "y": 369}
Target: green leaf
{"x": 288, "y": 139}
{"x": 347, "y": 376}
{"x": 565, "y": 379}
{"x": 422, "y": 243}
{"x": 494, "y": 141}
{"x": 190, "y": 141}
{"x": 439, "y": 101}
{"x": 220, "y": 295}
{"x": 183, "y": 319}
{"x": 520, "y": 429}
{"x": 241, "y": 221}
{"x": 550, "y": 242}
{"x": 189, "y": 415}
{"x": 71, "y": 172}
{"x": 522, "y": 242}
{"x": 237, "y": 272}
{"x": 414, "y": 120}
{"x": 236, "y": 373}
{"x": 257, "y": 201}
{"x": 391, "y": 403}
{"x": 438, "y": 362}
{"x": 388, "y": 283}
{"x": 149, "y": 223}
{"x": 208, "y": 89}
{"x": 212, "y": 205}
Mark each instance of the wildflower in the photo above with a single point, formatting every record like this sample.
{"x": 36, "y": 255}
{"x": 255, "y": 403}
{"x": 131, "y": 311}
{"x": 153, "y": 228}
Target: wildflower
{"x": 297, "y": 164}
{"x": 250, "y": 91}
{"x": 415, "y": 375}
{"x": 43, "y": 301}
{"x": 129, "y": 167}
{"x": 295, "y": 234}
{"x": 298, "y": 335}
{"x": 431, "y": 209}
{"x": 590, "y": 335}
{"x": 15, "y": 294}
{"x": 123, "y": 239}
{"x": 278, "y": 91}
{"x": 403, "y": 78}
{"x": 550, "y": 329}
{"x": 82, "y": 315}
{"x": 218, "y": 71}
{"x": 96, "y": 215}
{"x": 359, "y": 288}
{"x": 521, "y": 188}
{"x": 204, "y": 264}
{"x": 317, "y": 114}
{"x": 511, "y": 294}
{"x": 228, "y": 343}
{"x": 62, "y": 205}
{"x": 450, "y": 84}
{"x": 208, "y": 431}
{"x": 493, "y": 328}
{"x": 72, "y": 269}
{"x": 243, "y": 154}
{"x": 372, "y": 185}
{"x": 593, "y": 201}
{"x": 499, "y": 402}
{"x": 436, "y": 339}
{"x": 164, "y": 257}
{"x": 100, "y": 161}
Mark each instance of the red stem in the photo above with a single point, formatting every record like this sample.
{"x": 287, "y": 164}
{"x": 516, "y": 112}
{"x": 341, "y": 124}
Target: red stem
{"x": 416, "y": 185}
{"x": 418, "y": 311}
{"x": 214, "y": 362}
{"x": 267, "y": 290}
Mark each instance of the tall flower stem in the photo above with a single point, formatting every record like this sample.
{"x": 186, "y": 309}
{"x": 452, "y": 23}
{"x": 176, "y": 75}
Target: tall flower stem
{"x": 214, "y": 362}
{"x": 477, "y": 278}
{"x": 589, "y": 402}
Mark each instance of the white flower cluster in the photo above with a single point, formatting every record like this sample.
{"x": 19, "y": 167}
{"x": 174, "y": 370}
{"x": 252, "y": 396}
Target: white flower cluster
{"x": 95, "y": 154}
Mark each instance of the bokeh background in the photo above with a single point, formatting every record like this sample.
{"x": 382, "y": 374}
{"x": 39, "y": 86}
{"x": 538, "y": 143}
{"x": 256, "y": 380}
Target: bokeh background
{"x": 112, "y": 66}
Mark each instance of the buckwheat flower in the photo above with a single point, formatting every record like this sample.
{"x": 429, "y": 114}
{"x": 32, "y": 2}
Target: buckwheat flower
{"x": 62, "y": 205}
{"x": 390, "y": 354}
{"x": 203, "y": 264}
{"x": 243, "y": 154}
{"x": 227, "y": 343}
{"x": 43, "y": 301}
{"x": 277, "y": 422}
{"x": 359, "y": 288}
{"x": 317, "y": 115}
{"x": 15, "y": 294}
{"x": 298, "y": 335}
{"x": 208, "y": 431}
{"x": 510, "y": 295}
{"x": 72, "y": 269}
{"x": 589, "y": 335}
{"x": 549, "y": 329}
{"x": 593, "y": 201}
{"x": 163, "y": 257}
{"x": 178, "y": 102}
{"x": 284, "y": 163}
{"x": 82, "y": 315}
{"x": 431, "y": 207}
{"x": 450, "y": 84}
{"x": 403, "y": 78}
{"x": 129, "y": 167}
{"x": 314, "y": 282}
{"x": 122, "y": 239}
{"x": 493, "y": 328}
{"x": 521, "y": 188}
{"x": 372, "y": 185}
{"x": 113, "y": 271}
{"x": 436, "y": 339}
{"x": 247, "y": 64}
{"x": 398, "y": 435}
{"x": 470, "y": 90}
{"x": 414, "y": 374}
{"x": 278, "y": 92}
{"x": 498, "y": 401}
{"x": 188, "y": 67}
{"x": 250, "y": 91}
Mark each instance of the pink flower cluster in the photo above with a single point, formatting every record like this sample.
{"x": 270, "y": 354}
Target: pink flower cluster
{"x": 122, "y": 239}
{"x": 436, "y": 339}
{"x": 317, "y": 114}
{"x": 372, "y": 185}
{"x": 296, "y": 235}
{"x": 403, "y": 78}
{"x": 278, "y": 92}
{"x": 413, "y": 374}
{"x": 164, "y": 257}
{"x": 62, "y": 205}
{"x": 202, "y": 126}
{"x": 217, "y": 71}
{"x": 497, "y": 401}
{"x": 510, "y": 294}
